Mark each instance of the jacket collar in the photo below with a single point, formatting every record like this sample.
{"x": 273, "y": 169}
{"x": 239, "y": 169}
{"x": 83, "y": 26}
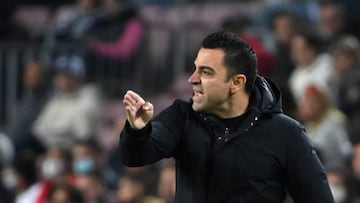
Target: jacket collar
{"x": 264, "y": 101}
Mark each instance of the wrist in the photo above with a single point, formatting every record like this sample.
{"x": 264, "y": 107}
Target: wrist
{"x": 137, "y": 131}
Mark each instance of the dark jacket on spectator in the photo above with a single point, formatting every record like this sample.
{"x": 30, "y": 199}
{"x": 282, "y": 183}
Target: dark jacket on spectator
{"x": 252, "y": 161}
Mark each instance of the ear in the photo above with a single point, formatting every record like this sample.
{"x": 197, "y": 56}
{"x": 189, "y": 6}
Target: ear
{"x": 238, "y": 83}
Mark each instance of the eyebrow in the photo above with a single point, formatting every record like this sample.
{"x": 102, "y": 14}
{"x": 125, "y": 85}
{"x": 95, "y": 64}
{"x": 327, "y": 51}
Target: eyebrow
{"x": 206, "y": 68}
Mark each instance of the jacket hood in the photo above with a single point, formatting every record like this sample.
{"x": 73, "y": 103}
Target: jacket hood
{"x": 266, "y": 97}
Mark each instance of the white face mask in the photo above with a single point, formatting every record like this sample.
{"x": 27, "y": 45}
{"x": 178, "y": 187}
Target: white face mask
{"x": 51, "y": 168}
{"x": 338, "y": 192}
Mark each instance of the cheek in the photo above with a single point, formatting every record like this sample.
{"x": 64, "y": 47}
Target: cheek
{"x": 217, "y": 91}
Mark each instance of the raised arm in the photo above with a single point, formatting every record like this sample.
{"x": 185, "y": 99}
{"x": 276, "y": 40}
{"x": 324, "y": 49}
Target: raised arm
{"x": 145, "y": 140}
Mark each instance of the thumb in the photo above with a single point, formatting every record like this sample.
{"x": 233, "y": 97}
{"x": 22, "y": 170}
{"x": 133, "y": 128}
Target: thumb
{"x": 147, "y": 106}
{"x": 148, "y": 111}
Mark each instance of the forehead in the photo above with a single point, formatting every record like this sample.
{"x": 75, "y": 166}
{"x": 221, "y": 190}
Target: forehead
{"x": 210, "y": 57}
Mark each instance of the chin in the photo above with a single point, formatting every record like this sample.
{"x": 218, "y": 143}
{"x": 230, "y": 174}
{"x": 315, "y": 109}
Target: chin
{"x": 196, "y": 107}
{"x": 200, "y": 108}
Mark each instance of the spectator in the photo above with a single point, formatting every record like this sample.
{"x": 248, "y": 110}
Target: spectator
{"x": 54, "y": 169}
{"x": 284, "y": 25}
{"x": 87, "y": 157}
{"x": 167, "y": 183}
{"x": 119, "y": 33}
{"x": 339, "y": 186}
{"x": 312, "y": 66}
{"x": 114, "y": 41}
{"x": 331, "y": 21}
{"x": 346, "y": 52}
{"x": 64, "y": 193}
{"x": 131, "y": 189}
{"x": 346, "y": 83}
{"x": 240, "y": 26}
{"x": 92, "y": 187}
{"x": 149, "y": 176}
{"x": 325, "y": 126}
{"x": 27, "y": 188}
{"x": 71, "y": 113}
{"x": 72, "y": 22}
{"x": 27, "y": 110}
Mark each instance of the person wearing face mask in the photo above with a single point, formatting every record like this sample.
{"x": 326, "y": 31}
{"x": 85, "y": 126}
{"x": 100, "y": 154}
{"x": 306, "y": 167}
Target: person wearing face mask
{"x": 51, "y": 168}
{"x": 83, "y": 165}
{"x": 86, "y": 157}
{"x": 54, "y": 169}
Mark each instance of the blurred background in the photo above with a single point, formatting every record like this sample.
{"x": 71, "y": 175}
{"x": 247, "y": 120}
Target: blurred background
{"x": 65, "y": 65}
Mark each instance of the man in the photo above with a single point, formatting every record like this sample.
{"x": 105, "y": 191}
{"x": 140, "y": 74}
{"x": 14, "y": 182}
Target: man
{"x": 231, "y": 142}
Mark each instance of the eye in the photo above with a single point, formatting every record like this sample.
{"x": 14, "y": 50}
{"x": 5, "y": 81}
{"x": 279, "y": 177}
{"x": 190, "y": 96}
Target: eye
{"x": 205, "y": 72}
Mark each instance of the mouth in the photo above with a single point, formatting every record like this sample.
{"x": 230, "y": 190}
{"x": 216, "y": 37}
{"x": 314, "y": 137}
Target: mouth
{"x": 197, "y": 94}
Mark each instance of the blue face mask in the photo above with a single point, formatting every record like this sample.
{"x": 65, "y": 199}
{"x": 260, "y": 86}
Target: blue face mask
{"x": 83, "y": 165}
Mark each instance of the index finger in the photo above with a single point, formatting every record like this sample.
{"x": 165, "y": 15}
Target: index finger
{"x": 135, "y": 96}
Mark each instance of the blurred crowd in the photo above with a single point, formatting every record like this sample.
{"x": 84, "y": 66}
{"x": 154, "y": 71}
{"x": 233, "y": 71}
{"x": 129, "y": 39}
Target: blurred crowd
{"x": 59, "y": 143}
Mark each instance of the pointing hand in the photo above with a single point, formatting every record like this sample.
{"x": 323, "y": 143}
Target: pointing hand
{"x": 139, "y": 112}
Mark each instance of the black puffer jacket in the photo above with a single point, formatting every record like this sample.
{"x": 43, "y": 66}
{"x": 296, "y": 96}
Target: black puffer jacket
{"x": 253, "y": 163}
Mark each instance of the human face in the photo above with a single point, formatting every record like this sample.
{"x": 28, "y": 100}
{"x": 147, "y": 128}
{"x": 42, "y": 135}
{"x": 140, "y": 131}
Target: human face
{"x": 302, "y": 53}
{"x": 343, "y": 63}
{"x": 283, "y": 29}
{"x": 312, "y": 107}
{"x": 60, "y": 196}
{"x": 211, "y": 88}
{"x": 331, "y": 21}
{"x": 65, "y": 82}
{"x": 32, "y": 75}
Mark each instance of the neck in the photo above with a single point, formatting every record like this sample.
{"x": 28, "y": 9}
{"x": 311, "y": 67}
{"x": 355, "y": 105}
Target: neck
{"x": 235, "y": 106}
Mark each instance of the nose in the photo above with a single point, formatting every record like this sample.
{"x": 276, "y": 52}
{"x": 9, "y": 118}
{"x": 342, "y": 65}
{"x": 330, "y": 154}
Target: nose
{"x": 194, "y": 78}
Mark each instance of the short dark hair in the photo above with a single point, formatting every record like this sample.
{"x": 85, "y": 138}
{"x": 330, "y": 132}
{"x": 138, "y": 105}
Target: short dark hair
{"x": 239, "y": 57}
{"x": 313, "y": 39}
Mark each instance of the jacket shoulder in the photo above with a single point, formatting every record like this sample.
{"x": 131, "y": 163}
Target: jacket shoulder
{"x": 179, "y": 108}
{"x": 292, "y": 131}
{"x": 287, "y": 121}
{"x": 182, "y": 106}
